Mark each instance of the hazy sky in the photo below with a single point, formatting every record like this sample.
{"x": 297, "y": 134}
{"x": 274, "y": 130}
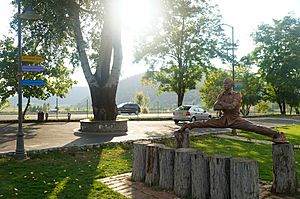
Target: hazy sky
{"x": 243, "y": 15}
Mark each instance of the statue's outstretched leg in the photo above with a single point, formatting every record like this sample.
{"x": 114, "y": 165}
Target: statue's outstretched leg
{"x": 242, "y": 124}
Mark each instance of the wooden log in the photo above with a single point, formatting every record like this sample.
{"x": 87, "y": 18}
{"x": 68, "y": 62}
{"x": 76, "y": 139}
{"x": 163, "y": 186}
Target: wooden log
{"x": 284, "y": 169}
{"x": 182, "y": 139}
{"x": 139, "y": 161}
{"x": 219, "y": 167}
{"x": 166, "y": 167}
{"x": 244, "y": 179}
{"x": 200, "y": 176}
{"x": 182, "y": 172}
{"x": 152, "y": 164}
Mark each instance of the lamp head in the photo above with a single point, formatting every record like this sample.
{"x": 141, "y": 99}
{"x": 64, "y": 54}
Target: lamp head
{"x": 220, "y": 29}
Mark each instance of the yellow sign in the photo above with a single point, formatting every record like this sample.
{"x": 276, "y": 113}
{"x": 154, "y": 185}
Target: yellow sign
{"x": 32, "y": 59}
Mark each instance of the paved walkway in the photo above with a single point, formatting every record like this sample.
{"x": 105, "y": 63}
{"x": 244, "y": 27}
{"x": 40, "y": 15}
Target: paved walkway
{"x": 64, "y": 134}
{"x": 138, "y": 190}
{"x": 60, "y": 134}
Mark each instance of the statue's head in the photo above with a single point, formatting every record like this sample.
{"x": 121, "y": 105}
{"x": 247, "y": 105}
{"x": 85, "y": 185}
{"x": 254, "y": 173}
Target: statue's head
{"x": 228, "y": 83}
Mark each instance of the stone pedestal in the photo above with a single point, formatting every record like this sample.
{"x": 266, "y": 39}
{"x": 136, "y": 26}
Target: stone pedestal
{"x": 104, "y": 127}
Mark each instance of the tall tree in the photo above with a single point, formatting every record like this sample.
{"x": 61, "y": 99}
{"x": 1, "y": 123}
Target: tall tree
{"x": 252, "y": 84}
{"x": 89, "y": 32}
{"x": 278, "y": 58}
{"x": 56, "y": 76}
{"x": 180, "y": 45}
{"x": 213, "y": 86}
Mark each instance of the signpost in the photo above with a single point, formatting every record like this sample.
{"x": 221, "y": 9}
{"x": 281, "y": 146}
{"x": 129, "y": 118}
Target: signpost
{"x": 35, "y": 59}
{"x": 238, "y": 86}
{"x": 27, "y": 82}
{"x": 33, "y": 68}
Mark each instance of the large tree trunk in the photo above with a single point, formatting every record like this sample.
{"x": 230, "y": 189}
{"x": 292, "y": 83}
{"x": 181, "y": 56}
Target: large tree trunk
{"x": 26, "y": 107}
{"x": 104, "y": 104}
{"x": 282, "y": 107}
{"x": 180, "y": 97}
{"x": 104, "y": 82}
{"x": 297, "y": 110}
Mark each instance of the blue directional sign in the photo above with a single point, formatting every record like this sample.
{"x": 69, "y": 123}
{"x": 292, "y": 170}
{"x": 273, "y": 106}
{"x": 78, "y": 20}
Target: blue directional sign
{"x": 33, "y": 68}
{"x": 238, "y": 86}
{"x": 27, "y": 82}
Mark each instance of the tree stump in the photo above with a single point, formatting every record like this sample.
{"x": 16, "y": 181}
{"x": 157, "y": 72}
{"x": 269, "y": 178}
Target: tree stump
{"x": 152, "y": 164}
{"x": 219, "y": 167}
{"x": 166, "y": 167}
{"x": 182, "y": 139}
{"x": 284, "y": 169}
{"x": 200, "y": 176}
{"x": 244, "y": 179}
{"x": 182, "y": 171}
{"x": 139, "y": 160}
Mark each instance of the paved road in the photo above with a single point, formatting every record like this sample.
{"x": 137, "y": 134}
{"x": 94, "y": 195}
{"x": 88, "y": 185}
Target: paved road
{"x": 58, "y": 134}
{"x": 80, "y": 116}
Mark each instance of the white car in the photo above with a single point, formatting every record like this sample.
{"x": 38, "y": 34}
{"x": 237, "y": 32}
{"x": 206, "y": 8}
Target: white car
{"x": 190, "y": 113}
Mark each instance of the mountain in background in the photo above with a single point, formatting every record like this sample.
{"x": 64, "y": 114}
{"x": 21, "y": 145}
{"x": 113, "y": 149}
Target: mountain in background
{"x": 80, "y": 96}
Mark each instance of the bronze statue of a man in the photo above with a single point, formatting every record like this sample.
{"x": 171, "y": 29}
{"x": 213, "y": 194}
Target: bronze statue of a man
{"x": 229, "y": 103}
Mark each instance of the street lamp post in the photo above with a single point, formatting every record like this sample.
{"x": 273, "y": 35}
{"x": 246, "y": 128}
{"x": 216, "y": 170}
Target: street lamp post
{"x": 28, "y": 14}
{"x": 232, "y": 43}
{"x": 232, "y": 58}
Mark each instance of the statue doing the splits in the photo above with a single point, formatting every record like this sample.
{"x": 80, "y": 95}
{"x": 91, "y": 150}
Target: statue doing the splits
{"x": 229, "y": 103}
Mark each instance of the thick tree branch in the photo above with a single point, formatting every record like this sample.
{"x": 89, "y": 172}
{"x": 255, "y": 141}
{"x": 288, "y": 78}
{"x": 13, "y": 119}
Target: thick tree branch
{"x": 81, "y": 49}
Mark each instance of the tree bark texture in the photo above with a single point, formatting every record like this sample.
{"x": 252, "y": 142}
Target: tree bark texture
{"x": 244, "y": 179}
{"x": 219, "y": 167}
{"x": 200, "y": 176}
{"x": 166, "y": 168}
{"x": 284, "y": 169}
{"x": 139, "y": 160}
{"x": 103, "y": 102}
{"x": 152, "y": 164}
{"x": 182, "y": 172}
{"x": 182, "y": 139}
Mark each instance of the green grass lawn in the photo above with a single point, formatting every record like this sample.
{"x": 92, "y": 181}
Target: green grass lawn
{"x": 70, "y": 174}
{"x": 292, "y": 132}
{"x": 73, "y": 173}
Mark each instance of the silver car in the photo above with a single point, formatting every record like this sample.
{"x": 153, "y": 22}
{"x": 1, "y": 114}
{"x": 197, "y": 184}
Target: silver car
{"x": 190, "y": 113}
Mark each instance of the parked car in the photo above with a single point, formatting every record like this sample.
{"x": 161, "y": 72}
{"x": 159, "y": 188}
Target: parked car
{"x": 129, "y": 107}
{"x": 190, "y": 113}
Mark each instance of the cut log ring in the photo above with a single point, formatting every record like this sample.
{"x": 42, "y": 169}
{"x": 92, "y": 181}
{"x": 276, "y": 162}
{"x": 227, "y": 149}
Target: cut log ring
{"x": 284, "y": 169}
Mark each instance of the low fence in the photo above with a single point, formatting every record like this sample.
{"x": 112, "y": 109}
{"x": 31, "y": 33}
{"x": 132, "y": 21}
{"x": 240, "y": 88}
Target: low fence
{"x": 192, "y": 174}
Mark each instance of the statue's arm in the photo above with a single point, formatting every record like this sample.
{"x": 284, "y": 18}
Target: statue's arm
{"x": 235, "y": 103}
{"x": 217, "y": 104}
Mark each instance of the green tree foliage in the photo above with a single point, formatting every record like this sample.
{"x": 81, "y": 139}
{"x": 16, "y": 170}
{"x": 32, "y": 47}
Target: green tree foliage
{"x": 262, "y": 107}
{"x": 87, "y": 33}
{"x": 56, "y": 75}
{"x": 213, "y": 86}
{"x": 180, "y": 45}
{"x": 252, "y": 85}
{"x": 142, "y": 100}
{"x": 278, "y": 58}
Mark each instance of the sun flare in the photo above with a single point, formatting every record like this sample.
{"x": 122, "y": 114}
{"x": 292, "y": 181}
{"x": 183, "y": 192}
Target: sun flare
{"x": 137, "y": 13}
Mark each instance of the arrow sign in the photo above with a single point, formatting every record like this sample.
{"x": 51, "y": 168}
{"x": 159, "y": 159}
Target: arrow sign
{"x": 26, "y": 82}
{"x": 33, "y": 68}
{"x": 32, "y": 59}
{"x": 238, "y": 86}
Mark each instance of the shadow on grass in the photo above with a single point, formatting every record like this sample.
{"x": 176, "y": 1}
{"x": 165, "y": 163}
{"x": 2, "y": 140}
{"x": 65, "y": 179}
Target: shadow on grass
{"x": 65, "y": 174}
